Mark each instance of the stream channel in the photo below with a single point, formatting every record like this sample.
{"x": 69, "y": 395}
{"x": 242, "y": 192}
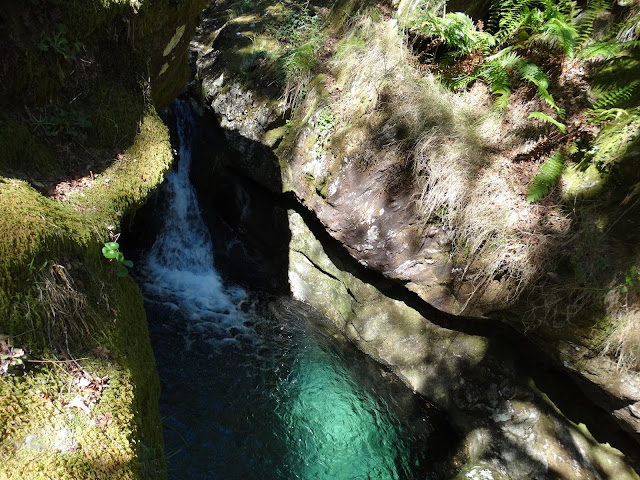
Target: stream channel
{"x": 264, "y": 387}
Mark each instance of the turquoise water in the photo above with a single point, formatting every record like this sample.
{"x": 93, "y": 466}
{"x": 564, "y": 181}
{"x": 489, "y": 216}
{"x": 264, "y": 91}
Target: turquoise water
{"x": 264, "y": 388}
{"x": 289, "y": 400}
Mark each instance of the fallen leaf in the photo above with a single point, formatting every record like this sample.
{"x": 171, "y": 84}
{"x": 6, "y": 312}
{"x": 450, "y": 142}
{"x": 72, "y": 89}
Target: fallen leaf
{"x": 104, "y": 420}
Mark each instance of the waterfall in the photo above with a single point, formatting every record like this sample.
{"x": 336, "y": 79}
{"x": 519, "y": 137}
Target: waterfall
{"x": 277, "y": 395}
{"x": 179, "y": 269}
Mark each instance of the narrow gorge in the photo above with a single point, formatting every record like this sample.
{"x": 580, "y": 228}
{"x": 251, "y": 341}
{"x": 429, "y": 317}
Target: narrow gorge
{"x": 368, "y": 240}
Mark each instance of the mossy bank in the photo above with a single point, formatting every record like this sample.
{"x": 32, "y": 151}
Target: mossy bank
{"x": 82, "y": 149}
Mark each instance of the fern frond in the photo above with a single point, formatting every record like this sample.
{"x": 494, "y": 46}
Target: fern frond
{"x": 457, "y": 83}
{"x": 587, "y": 22}
{"x": 547, "y": 119}
{"x": 534, "y": 74}
{"x": 502, "y": 101}
{"x": 564, "y": 7}
{"x": 606, "y": 50}
{"x": 559, "y": 31}
{"x": 607, "y": 114}
{"x": 547, "y": 97}
{"x": 510, "y": 25}
{"x": 616, "y": 96}
{"x": 547, "y": 178}
{"x": 502, "y": 12}
{"x": 509, "y": 60}
{"x": 496, "y": 77}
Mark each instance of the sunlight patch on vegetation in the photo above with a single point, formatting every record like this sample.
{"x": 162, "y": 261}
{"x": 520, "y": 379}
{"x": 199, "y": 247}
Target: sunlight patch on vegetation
{"x": 448, "y": 137}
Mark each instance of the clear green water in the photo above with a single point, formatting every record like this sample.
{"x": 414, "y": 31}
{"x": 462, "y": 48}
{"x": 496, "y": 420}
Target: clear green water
{"x": 283, "y": 397}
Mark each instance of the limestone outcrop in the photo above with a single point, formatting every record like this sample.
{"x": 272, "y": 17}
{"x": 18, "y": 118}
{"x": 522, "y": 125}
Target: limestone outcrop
{"x": 507, "y": 424}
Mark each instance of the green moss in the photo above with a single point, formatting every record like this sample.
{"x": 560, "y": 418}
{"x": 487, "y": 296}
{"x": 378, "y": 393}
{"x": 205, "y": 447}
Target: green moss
{"x": 156, "y": 29}
{"x": 616, "y": 141}
{"x": 51, "y": 439}
{"x": 172, "y": 81}
{"x": 59, "y": 298}
{"x": 271, "y": 137}
{"x": 116, "y": 111}
{"x": 583, "y": 183}
{"x": 75, "y": 304}
{"x": 127, "y": 183}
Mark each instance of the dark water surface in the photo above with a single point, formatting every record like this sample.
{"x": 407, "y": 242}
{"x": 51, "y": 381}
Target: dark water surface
{"x": 263, "y": 388}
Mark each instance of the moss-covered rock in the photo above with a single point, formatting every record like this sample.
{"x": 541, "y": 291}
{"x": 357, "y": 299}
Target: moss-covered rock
{"x": 96, "y": 417}
{"x": 79, "y": 81}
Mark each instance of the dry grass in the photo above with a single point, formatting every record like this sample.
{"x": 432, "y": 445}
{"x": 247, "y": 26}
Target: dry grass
{"x": 624, "y": 340}
{"x": 464, "y": 183}
{"x": 66, "y": 309}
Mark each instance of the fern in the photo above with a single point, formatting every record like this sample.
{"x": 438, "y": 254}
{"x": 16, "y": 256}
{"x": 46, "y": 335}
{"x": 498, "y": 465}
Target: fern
{"x": 457, "y": 30}
{"x": 608, "y": 114}
{"x": 547, "y": 119}
{"x": 587, "y": 23}
{"x": 505, "y": 58}
{"x": 534, "y": 74}
{"x": 559, "y": 31}
{"x": 513, "y": 20}
{"x": 607, "y": 50}
{"x": 547, "y": 178}
{"x": 616, "y": 96}
{"x": 547, "y": 97}
{"x": 498, "y": 80}
{"x": 507, "y": 15}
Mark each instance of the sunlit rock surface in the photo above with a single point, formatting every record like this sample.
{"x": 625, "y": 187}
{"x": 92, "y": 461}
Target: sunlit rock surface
{"x": 505, "y": 421}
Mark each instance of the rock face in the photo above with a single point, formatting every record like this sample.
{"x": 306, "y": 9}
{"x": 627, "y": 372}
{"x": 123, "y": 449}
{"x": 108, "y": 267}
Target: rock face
{"x": 357, "y": 181}
{"x": 371, "y": 212}
{"x": 507, "y": 425}
{"x": 244, "y": 115}
{"x": 381, "y": 229}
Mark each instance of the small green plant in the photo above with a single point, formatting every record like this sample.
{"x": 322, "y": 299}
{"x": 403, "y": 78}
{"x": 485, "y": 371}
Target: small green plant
{"x": 288, "y": 126}
{"x": 111, "y": 251}
{"x": 11, "y": 358}
{"x": 631, "y": 280}
{"x": 57, "y": 121}
{"x": 547, "y": 119}
{"x": 60, "y": 44}
{"x": 297, "y": 26}
{"x": 33, "y": 268}
{"x": 616, "y": 96}
{"x": 547, "y": 178}
{"x": 457, "y": 31}
{"x": 326, "y": 121}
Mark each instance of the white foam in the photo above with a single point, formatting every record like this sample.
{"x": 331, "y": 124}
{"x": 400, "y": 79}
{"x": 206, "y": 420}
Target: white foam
{"x": 178, "y": 272}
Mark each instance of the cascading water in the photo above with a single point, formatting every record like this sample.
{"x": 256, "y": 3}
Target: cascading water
{"x": 275, "y": 395}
